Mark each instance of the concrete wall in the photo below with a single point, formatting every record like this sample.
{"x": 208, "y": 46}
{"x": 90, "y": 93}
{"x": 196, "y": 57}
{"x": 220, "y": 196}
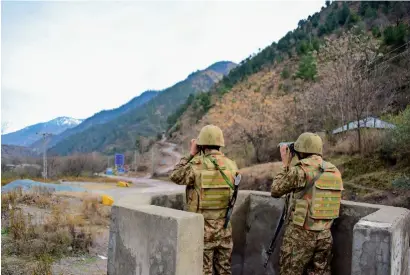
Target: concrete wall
{"x": 381, "y": 243}
{"x": 368, "y": 239}
{"x": 148, "y": 239}
{"x": 342, "y": 232}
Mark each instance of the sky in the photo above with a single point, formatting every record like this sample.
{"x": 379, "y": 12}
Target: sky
{"x": 76, "y": 58}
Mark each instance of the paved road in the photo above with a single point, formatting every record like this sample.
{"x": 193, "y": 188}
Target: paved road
{"x": 169, "y": 157}
{"x": 138, "y": 186}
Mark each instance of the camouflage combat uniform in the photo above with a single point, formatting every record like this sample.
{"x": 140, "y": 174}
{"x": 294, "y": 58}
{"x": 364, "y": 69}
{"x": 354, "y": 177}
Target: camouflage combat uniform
{"x": 306, "y": 247}
{"x": 217, "y": 240}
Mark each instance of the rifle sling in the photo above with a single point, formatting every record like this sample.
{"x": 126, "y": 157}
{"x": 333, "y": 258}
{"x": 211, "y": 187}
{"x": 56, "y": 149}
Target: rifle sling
{"x": 228, "y": 182}
{"x": 312, "y": 182}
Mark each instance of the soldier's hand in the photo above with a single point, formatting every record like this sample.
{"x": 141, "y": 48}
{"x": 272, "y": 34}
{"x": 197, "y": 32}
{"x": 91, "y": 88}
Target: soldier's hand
{"x": 285, "y": 155}
{"x": 194, "y": 147}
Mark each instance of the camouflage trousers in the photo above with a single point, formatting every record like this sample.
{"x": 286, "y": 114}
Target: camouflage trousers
{"x": 305, "y": 252}
{"x": 217, "y": 247}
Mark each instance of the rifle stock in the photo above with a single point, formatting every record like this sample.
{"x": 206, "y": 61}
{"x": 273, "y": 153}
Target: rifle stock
{"x": 283, "y": 219}
{"x": 232, "y": 201}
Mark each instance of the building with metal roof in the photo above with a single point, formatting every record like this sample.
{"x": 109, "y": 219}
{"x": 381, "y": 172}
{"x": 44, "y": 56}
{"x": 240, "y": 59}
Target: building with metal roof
{"x": 368, "y": 122}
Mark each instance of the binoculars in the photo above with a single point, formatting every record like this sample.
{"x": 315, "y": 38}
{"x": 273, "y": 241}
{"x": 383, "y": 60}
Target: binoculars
{"x": 290, "y": 145}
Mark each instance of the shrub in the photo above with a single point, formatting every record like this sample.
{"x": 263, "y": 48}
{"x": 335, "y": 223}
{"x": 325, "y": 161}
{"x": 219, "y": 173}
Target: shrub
{"x": 396, "y": 146}
{"x": 285, "y": 73}
{"x": 376, "y": 31}
{"x": 402, "y": 182}
{"x": 395, "y": 35}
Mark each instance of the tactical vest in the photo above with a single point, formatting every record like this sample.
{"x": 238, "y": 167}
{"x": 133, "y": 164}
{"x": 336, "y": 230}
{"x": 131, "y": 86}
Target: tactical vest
{"x": 211, "y": 193}
{"x": 320, "y": 204}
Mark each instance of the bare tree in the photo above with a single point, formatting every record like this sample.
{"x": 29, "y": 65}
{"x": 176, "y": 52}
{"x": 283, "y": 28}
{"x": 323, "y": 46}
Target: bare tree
{"x": 353, "y": 87}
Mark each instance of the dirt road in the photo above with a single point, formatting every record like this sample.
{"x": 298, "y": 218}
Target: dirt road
{"x": 168, "y": 157}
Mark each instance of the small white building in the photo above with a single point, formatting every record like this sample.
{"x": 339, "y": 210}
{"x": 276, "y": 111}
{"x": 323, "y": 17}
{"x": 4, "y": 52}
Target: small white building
{"x": 368, "y": 122}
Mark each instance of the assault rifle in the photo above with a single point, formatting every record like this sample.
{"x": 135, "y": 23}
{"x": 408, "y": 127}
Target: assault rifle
{"x": 283, "y": 219}
{"x": 232, "y": 200}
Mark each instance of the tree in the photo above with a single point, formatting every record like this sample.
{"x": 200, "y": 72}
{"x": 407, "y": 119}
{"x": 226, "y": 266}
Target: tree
{"x": 138, "y": 144}
{"x": 327, "y": 3}
{"x": 395, "y": 35}
{"x": 352, "y": 87}
{"x": 307, "y": 68}
{"x": 285, "y": 73}
{"x": 343, "y": 14}
{"x": 251, "y": 121}
{"x": 302, "y": 23}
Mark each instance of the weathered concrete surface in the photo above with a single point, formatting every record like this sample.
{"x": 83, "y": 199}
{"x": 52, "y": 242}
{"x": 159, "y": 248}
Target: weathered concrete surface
{"x": 255, "y": 218}
{"x": 263, "y": 218}
{"x": 381, "y": 242}
{"x": 368, "y": 239}
{"x": 154, "y": 240}
{"x": 238, "y": 220}
{"x": 342, "y": 232}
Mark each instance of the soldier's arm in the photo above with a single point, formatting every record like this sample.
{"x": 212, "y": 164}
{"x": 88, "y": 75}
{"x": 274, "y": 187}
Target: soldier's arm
{"x": 183, "y": 173}
{"x": 288, "y": 180}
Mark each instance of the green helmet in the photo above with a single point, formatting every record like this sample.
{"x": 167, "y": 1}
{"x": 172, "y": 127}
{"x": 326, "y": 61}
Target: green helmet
{"x": 309, "y": 143}
{"x": 211, "y": 135}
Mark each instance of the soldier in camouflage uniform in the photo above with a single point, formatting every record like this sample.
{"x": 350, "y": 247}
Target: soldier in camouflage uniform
{"x": 317, "y": 187}
{"x": 209, "y": 175}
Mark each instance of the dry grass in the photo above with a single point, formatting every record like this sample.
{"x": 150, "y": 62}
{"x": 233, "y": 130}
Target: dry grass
{"x": 95, "y": 212}
{"x": 20, "y": 266}
{"x": 259, "y": 177}
{"x": 39, "y": 196}
{"x": 60, "y": 234}
{"x": 70, "y": 229}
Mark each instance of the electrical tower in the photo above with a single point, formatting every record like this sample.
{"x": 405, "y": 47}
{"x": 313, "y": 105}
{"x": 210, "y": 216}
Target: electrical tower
{"x": 44, "y": 137}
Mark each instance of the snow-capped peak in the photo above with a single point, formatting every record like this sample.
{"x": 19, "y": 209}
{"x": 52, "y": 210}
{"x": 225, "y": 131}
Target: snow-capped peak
{"x": 67, "y": 121}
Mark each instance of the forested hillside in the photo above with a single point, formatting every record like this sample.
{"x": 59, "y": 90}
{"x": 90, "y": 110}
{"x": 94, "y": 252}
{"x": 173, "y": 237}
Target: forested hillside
{"x": 344, "y": 63}
{"x": 100, "y": 118}
{"x": 149, "y": 119}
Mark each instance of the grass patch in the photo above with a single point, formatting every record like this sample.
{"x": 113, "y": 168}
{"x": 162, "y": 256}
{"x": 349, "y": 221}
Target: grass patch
{"x": 60, "y": 233}
{"x": 94, "y": 211}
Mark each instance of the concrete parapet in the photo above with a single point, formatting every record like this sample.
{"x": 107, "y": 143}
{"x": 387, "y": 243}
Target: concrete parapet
{"x": 381, "y": 243}
{"x": 146, "y": 237}
{"x": 256, "y": 216}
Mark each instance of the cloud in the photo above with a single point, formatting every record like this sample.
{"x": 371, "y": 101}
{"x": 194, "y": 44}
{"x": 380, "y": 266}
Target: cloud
{"x": 76, "y": 58}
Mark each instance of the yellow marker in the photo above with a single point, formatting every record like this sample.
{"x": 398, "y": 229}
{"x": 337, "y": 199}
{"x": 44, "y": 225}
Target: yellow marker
{"x": 107, "y": 200}
{"x": 123, "y": 184}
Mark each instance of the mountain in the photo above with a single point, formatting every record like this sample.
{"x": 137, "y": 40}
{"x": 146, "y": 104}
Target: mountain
{"x": 13, "y": 152}
{"x": 28, "y": 135}
{"x": 147, "y": 120}
{"x": 343, "y": 63}
{"x": 100, "y": 118}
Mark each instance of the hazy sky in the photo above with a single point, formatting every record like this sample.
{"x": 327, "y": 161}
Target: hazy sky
{"x": 77, "y": 58}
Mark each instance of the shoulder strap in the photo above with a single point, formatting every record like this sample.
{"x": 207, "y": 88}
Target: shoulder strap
{"x": 310, "y": 184}
{"x": 228, "y": 182}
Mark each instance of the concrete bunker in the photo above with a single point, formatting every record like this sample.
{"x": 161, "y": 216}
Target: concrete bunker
{"x": 149, "y": 234}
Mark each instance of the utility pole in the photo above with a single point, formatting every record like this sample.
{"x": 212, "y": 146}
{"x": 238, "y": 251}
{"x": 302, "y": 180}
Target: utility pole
{"x": 44, "y": 137}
